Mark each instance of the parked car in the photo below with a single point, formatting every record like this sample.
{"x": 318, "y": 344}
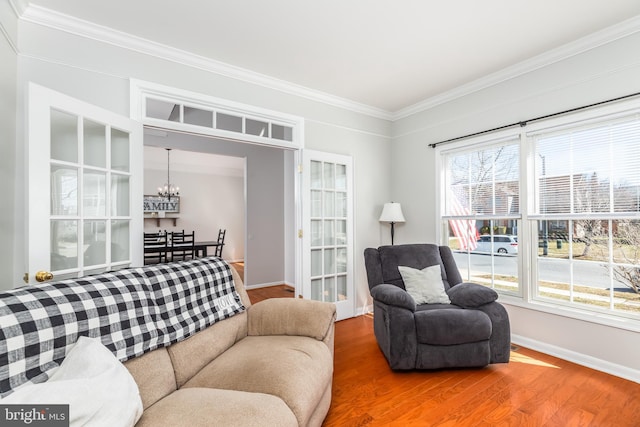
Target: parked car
{"x": 502, "y": 244}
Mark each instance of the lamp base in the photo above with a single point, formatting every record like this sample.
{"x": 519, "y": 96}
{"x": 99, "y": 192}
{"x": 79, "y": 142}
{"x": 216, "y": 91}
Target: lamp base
{"x": 392, "y": 232}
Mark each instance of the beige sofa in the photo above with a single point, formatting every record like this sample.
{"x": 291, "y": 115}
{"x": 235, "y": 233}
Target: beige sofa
{"x": 198, "y": 352}
{"x": 271, "y": 365}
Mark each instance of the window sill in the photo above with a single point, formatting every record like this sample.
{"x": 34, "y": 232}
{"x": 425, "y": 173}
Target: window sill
{"x": 605, "y": 319}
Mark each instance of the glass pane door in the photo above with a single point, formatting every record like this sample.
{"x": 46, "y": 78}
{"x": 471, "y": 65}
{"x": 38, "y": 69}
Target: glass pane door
{"x": 89, "y": 187}
{"x": 327, "y": 272}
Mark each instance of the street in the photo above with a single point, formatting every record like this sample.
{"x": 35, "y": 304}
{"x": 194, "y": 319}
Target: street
{"x": 585, "y": 273}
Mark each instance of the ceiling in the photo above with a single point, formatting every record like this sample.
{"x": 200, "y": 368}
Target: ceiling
{"x": 155, "y": 158}
{"x": 389, "y": 55}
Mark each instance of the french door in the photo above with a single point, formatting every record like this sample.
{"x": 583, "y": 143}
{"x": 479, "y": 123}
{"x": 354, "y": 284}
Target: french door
{"x": 328, "y": 243}
{"x": 85, "y": 188}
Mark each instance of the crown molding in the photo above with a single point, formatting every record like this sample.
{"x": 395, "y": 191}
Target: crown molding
{"x": 7, "y": 37}
{"x": 19, "y": 6}
{"x": 46, "y": 17}
{"x": 607, "y": 35}
{"x": 8, "y": 27}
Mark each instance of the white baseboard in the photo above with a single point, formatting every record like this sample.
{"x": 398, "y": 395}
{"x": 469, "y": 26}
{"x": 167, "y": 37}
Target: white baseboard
{"x": 265, "y": 285}
{"x": 579, "y": 358}
{"x": 366, "y": 309}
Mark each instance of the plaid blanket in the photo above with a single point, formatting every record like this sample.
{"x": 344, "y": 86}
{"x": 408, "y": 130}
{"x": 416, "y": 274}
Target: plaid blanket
{"x": 132, "y": 311}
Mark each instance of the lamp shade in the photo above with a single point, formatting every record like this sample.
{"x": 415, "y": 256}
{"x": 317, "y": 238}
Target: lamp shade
{"x": 392, "y": 212}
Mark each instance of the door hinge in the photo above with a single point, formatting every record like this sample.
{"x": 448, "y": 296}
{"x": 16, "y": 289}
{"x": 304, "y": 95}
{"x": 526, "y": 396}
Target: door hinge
{"x": 26, "y": 278}
{"x": 300, "y": 168}
{"x": 300, "y": 234}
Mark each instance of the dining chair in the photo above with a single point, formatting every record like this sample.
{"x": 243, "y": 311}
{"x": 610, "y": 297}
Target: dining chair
{"x": 155, "y": 247}
{"x": 221, "y": 234}
{"x": 182, "y": 245}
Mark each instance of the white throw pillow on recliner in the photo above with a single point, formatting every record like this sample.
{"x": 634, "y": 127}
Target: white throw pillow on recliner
{"x": 425, "y": 286}
{"x": 99, "y": 390}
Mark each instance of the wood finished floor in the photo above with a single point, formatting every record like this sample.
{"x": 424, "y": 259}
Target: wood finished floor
{"x": 534, "y": 389}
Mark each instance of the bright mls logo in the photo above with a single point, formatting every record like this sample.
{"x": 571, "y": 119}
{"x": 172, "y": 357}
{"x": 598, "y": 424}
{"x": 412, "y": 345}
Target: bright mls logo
{"x": 34, "y": 415}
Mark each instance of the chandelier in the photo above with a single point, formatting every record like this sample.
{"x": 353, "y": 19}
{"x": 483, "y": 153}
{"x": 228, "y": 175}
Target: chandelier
{"x": 168, "y": 190}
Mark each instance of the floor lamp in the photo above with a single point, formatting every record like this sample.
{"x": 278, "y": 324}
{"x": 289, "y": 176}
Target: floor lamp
{"x": 392, "y": 213}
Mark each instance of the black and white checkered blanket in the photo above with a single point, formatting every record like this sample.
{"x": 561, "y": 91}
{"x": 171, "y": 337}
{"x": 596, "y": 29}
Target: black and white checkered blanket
{"x": 133, "y": 311}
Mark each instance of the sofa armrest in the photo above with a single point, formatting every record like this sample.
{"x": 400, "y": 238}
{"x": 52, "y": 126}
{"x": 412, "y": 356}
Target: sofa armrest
{"x": 471, "y": 295}
{"x": 393, "y": 295}
{"x": 294, "y": 317}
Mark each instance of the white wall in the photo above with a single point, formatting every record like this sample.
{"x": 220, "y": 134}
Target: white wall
{"x": 609, "y": 71}
{"x": 8, "y": 78}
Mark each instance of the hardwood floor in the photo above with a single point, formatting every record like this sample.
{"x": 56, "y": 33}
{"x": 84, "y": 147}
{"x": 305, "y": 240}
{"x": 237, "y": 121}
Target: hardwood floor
{"x": 534, "y": 389}
{"x": 279, "y": 291}
{"x": 239, "y": 266}
{"x": 259, "y": 294}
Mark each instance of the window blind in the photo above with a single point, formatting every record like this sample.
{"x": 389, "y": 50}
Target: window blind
{"x": 483, "y": 182}
{"x": 590, "y": 170}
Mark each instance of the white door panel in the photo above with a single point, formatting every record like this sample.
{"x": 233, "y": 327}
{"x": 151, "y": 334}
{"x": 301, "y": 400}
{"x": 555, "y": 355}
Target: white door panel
{"x": 85, "y": 187}
{"x": 328, "y": 230}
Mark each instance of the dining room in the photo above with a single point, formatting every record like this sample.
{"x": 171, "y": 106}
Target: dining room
{"x": 213, "y": 185}
{"x": 202, "y": 181}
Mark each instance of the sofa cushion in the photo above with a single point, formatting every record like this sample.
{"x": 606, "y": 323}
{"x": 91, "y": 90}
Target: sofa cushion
{"x": 296, "y": 369}
{"x": 95, "y": 385}
{"x": 153, "y": 372}
{"x": 393, "y": 295}
{"x": 200, "y": 407}
{"x": 286, "y": 316}
{"x": 417, "y": 256}
{"x": 194, "y": 353}
{"x": 425, "y": 286}
{"x": 450, "y": 327}
{"x": 471, "y": 295}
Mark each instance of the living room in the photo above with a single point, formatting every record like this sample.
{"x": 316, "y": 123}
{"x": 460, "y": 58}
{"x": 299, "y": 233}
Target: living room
{"x": 390, "y": 146}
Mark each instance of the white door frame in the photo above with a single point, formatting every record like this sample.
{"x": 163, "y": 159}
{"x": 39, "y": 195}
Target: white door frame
{"x": 141, "y": 91}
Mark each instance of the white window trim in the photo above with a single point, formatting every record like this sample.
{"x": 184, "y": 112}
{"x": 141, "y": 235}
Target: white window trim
{"x": 141, "y": 90}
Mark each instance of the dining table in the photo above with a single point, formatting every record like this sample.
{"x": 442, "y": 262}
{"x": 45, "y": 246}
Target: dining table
{"x": 200, "y": 248}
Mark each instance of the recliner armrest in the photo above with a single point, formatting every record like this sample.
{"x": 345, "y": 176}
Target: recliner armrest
{"x": 293, "y": 317}
{"x": 393, "y": 295}
{"x": 471, "y": 295}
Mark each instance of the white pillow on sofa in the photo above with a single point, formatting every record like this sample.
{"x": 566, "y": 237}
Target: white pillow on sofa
{"x": 99, "y": 390}
{"x": 426, "y": 285}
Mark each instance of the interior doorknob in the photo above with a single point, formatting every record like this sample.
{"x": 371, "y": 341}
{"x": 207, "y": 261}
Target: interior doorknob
{"x": 43, "y": 276}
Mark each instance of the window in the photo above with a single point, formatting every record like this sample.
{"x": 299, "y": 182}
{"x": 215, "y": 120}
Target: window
{"x": 587, "y": 192}
{"x": 551, "y": 213}
{"x": 481, "y": 203}
{"x": 179, "y": 112}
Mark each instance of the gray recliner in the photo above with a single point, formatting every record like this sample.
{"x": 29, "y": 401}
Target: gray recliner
{"x": 472, "y": 331}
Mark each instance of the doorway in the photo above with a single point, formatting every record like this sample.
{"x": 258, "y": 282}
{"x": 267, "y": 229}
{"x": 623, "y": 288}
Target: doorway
{"x": 203, "y": 179}
{"x": 276, "y": 219}
{"x": 254, "y": 177}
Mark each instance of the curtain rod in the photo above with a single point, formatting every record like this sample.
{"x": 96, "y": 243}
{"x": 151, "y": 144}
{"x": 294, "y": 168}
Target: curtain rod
{"x": 524, "y": 122}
